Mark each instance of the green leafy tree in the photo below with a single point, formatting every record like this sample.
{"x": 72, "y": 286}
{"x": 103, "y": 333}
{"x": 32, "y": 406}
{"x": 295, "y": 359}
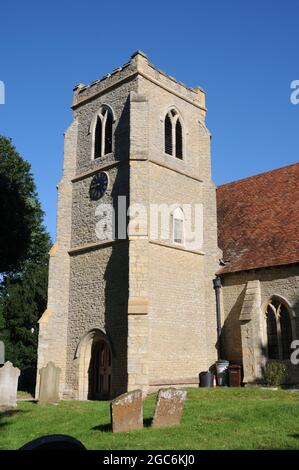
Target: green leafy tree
{"x": 20, "y": 210}
{"x": 23, "y": 288}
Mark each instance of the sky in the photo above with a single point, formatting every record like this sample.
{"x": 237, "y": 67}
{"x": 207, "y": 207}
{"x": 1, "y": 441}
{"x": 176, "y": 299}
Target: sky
{"x": 243, "y": 53}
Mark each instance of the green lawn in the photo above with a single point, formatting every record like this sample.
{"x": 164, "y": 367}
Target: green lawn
{"x": 213, "y": 419}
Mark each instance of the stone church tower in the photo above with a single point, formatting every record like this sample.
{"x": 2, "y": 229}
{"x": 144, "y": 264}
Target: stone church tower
{"x": 135, "y": 310}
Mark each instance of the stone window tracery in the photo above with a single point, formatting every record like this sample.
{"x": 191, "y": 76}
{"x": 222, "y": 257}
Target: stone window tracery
{"x": 279, "y": 330}
{"x": 103, "y": 133}
{"x": 173, "y": 134}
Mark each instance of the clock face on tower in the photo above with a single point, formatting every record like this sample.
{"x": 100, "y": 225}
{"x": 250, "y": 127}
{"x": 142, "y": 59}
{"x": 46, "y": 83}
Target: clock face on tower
{"x": 98, "y": 186}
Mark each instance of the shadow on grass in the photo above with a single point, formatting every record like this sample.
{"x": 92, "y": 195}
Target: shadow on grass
{"x": 147, "y": 422}
{"x": 8, "y": 413}
{"x": 34, "y": 401}
{"x": 102, "y": 427}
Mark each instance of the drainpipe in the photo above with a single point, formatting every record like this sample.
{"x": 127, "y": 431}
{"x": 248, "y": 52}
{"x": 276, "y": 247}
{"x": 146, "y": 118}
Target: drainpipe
{"x": 217, "y": 286}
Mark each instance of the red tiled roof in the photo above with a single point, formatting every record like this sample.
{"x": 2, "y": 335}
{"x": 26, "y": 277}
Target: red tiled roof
{"x": 258, "y": 220}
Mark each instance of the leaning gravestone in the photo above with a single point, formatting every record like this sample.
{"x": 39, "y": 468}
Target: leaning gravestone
{"x": 169, "y": 407}
{"x": 9, "y": 376}
{"x": 2, "y": 353}
{"x": 49, "y": 384}
{"x": 126, "y": 412}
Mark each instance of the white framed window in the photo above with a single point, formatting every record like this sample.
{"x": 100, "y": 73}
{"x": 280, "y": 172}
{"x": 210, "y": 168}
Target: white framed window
{"x": 178, "y": 226}
{"x": 102, "y": 132}
{"x": 173, "y": 134}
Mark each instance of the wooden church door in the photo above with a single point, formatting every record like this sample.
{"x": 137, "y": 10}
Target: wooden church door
{"x": 101, "y": 371}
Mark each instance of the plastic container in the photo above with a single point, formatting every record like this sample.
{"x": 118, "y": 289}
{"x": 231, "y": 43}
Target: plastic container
{"x": 222, "y": 368}
{"x": 206, "y": 379}
{"x": 234, "y": 375}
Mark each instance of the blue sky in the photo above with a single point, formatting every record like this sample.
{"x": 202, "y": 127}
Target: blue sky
{"x": 243, "y": 53}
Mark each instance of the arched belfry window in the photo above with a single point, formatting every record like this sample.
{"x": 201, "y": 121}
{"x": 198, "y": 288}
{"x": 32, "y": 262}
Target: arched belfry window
{"x": 173, "y": 134}
{"x": 103, "y": 131}
{"x": 178, "y": 220}
{"x": 279, "y": 330}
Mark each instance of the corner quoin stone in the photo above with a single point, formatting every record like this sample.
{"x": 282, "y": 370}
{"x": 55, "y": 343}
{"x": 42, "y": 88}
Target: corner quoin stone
{"x": 126, "y": 412}
{"x": 169, "y": 407}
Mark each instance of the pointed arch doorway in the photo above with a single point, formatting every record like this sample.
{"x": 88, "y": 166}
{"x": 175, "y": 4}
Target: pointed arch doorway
{"x": 100, "y": 371}
{"x": 95, "y": 366}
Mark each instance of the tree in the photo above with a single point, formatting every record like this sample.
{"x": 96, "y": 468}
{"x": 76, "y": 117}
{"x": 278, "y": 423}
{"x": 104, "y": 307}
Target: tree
{"x": 19, "y": 207}
{"x": 23, "y": 289}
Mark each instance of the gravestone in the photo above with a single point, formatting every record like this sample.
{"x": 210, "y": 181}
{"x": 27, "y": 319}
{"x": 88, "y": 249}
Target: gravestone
{"x": 49, "y": 384}
{"x": 2, "y": 353}
{"x": 9, "y": 376}
{"x": 169, "y": 407}
{"x": 126, "y": 412}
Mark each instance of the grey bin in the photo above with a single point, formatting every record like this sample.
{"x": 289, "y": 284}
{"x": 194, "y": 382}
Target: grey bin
{"x": 206, "y": 379}
{"x": 222, "y": 372}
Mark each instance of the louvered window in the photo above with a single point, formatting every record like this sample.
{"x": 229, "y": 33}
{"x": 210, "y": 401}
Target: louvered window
{"x": 98, "y": 138}
{"x": 173, "y": 134}
{"x": 108, "y": 133}
{"x": 168, "y": 135}
{"x": 103, "y": 133}
{"x": 178, "y": 140}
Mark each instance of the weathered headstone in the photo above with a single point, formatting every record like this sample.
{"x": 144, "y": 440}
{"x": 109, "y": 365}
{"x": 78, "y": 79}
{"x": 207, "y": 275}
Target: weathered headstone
{"x": 49, "y": 384}
{"x": 2, "y": 353}
{"x": 169, "y": 407}
{"x": 9, "y": 376}
{"x": 127, "y": 412}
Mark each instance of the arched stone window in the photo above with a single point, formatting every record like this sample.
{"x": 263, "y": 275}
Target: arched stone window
{"x": 103, "y": 131}
{"x": 279, "y": 329}
{"x": 173, "y": 134}
{"x": 178, "y": 228}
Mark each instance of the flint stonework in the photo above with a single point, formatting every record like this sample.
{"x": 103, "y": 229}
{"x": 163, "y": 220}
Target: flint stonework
{"x": 126, "y": 412}
{"x": 169, "y": 407}
{"x": 9, "y": 376}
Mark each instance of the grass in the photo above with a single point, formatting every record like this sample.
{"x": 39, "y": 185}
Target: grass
{"x": 224, "y": 418}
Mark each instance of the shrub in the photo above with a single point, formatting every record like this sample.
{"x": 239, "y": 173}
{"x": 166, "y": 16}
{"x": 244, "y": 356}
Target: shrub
{"x": 275, "y": 373}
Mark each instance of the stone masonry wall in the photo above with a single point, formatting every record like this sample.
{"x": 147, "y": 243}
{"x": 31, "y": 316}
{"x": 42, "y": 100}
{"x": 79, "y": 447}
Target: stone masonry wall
{"x": 52, "y": 343}
{"x": 178, "y": 281}
{"x": 98, "y": 300}
{"x": 177, "y": 316}
{"x": 281, "y": 280}
{"x": 99, "y": 275}
{"x": 155, "y": 302}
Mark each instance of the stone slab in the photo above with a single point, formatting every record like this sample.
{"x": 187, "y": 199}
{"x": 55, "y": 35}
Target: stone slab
{"x": 169, "y": 407}
{"x": 9, "y": 376}
{"x": 49, "y": 384}
{"x": 127, "y": 412}
{"x": 2, "y": 353}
